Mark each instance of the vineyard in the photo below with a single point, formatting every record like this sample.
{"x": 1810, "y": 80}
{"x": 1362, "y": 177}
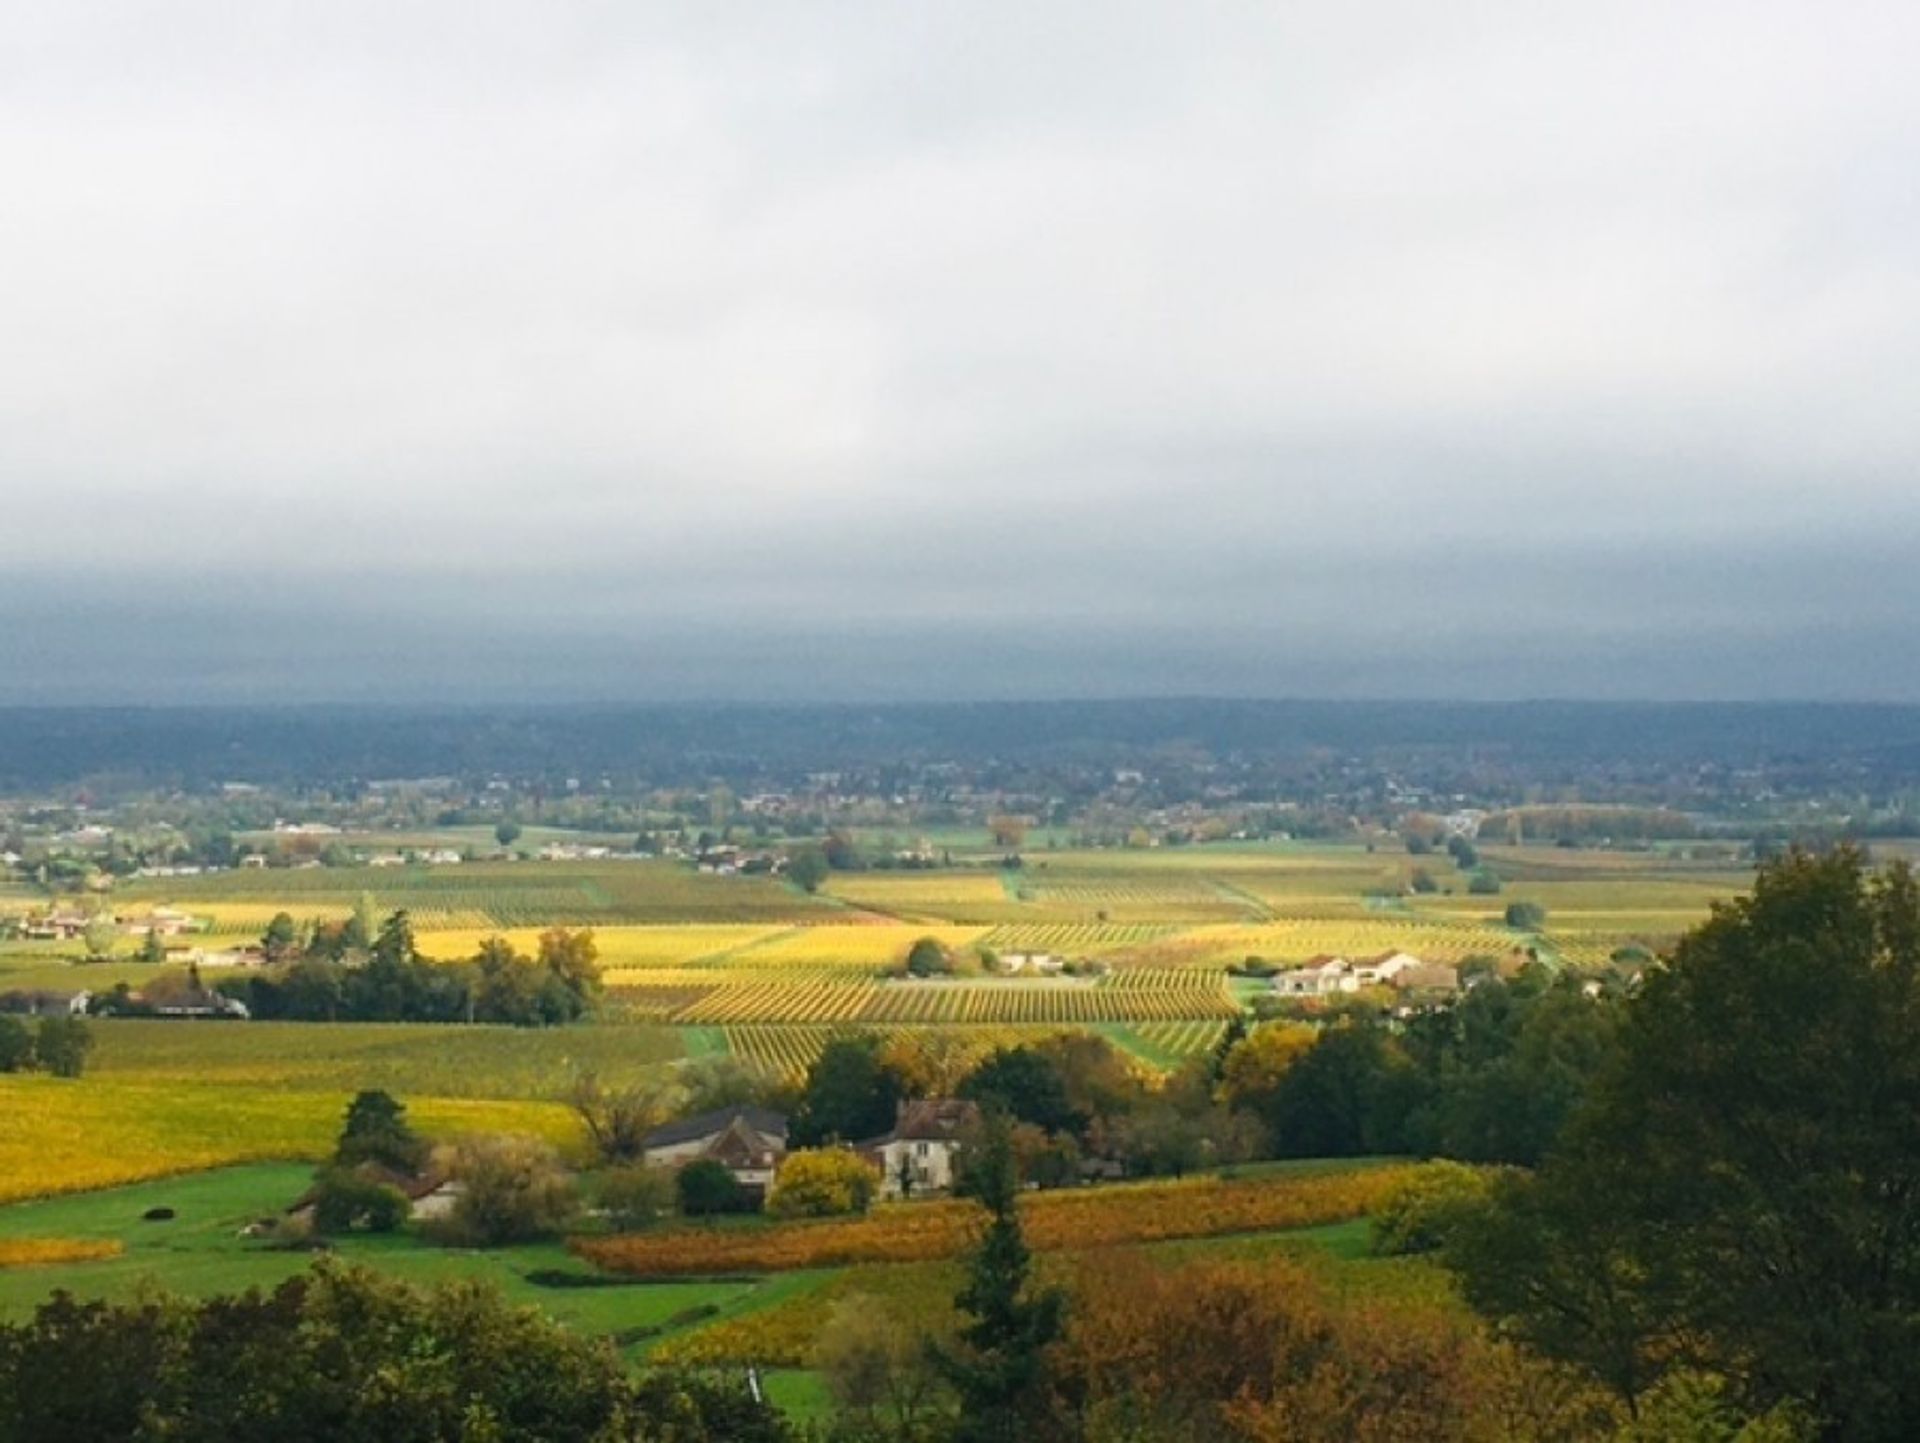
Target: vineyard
{"x": 1132, "y": 897}
{"x": 788, "y": 1051}
{"x": 871, "y": 947}
{"x": 686, "y": 945}
{"x": 962, "y": 897}
{"x": 487, "y": 894}
{"x": 1076, "y": 939}
{"x": 920, "y": 1232}
{"x": 696, "y": 997}
{"x": 1437, "y": 939}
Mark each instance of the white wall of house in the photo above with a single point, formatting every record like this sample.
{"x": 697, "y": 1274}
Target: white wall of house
{"x": 929, "y": 1162}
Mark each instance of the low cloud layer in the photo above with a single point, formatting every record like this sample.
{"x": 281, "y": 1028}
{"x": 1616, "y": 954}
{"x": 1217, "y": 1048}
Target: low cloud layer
{"x": 611, "y": 351}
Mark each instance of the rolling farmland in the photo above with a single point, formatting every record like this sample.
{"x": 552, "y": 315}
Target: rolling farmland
{"x": 697, "y": 962}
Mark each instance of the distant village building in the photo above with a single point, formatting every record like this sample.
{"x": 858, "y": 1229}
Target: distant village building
{"x": 919, "y": 1155}
{"x": 1044, "y": 964}
{"x": 748, "y": 1142}
{"x": 1326, "y": 975}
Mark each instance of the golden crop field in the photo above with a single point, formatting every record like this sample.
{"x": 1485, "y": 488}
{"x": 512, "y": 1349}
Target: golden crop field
{"x": 619, "y": 947}
{"x": 67, "y": 1136}
{"x": 868, "y": 946}
{"x": 50, "y": 1252}
{"x": 1077, "y": 939}
{"x": 964, "y": 897}
{"x": 405, "y": 1058}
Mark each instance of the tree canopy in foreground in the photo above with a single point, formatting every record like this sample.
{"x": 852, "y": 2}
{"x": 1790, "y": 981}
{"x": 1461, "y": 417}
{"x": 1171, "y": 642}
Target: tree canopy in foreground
{"x": 342, "y": 1353}
{"x": 1741, "y": 1190}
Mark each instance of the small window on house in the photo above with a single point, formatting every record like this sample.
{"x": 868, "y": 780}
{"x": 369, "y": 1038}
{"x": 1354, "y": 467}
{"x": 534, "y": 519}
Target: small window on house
{"x": 920, "y": 1148}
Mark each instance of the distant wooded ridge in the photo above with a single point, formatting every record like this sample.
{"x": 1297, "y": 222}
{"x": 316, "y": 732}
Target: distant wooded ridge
{"x": 199, "y": 746}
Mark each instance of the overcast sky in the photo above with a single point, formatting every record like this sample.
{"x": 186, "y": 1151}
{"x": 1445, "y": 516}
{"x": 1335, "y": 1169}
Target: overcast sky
{"x": 478, "y": 351}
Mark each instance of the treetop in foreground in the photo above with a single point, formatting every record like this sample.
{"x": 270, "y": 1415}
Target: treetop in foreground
{"x": 1741, "y": 1191}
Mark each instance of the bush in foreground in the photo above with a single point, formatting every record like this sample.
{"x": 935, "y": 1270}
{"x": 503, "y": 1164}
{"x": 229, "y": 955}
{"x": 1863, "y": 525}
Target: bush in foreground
{"x": 344, "y": 1353}
{"x": 512, "y": 1190}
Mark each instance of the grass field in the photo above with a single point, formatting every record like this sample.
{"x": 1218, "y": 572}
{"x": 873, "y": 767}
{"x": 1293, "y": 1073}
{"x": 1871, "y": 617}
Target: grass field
{"x": 770, "y": 1319}
{"x": 200, "y": 1253}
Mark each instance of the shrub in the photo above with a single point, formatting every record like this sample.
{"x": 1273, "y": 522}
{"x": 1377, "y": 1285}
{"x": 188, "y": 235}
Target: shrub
{"x": 823, "y": 1182}
{"x": 1484, "y": 883}
{"x": 1526, "y": 916}
{"x": 63, "y": 1045}
{"x": 512, "y": 1189}
{"x": 345, "y": 1202}
{"x": 928, "y": 958}
{"x": 16, "y": 1045}
{"x": 706, "y": 1188}
{"x": 1420, "y": 1215}
{"x": 635, "y": 1197}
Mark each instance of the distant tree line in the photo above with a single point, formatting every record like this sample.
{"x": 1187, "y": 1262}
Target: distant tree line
{"x": 336, "y": 973}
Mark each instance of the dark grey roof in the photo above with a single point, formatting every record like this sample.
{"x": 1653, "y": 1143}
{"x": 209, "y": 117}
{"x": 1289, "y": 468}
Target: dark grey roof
{"x": 760, "y": 1119}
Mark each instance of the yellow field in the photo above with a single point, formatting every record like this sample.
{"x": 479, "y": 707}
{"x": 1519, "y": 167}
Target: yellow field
{"x": 1295, "y": 940}
{"x": 929, "y": 896}
{"x": 50, "y": 1252}
{"x": 63, "y": 1136}
{"x": 867, "y": 947}
{"x": 620, "y": 947}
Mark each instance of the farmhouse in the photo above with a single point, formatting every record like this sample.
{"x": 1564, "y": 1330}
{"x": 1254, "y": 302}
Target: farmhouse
{"x": 429, "y": 1194}
{"x": 748, "y": 1142}
{"x": 1320, "y": 976}
{"x": 1044, "y": 964}
{"x": 918, "y": 1155}
{"x": 57, "y": 925}
{"x": 1325, "y": 976}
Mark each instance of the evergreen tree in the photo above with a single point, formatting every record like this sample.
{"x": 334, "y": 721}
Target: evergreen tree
{"x": 1000, "y": 1372}
{"x": 377, "y": 1131}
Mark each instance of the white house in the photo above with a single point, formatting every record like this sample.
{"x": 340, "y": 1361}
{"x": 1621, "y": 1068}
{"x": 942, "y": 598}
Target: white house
{"x": 1325, "y": 976}
{"x": 918, "y": 1156}
{"x": 1320, "y": 976}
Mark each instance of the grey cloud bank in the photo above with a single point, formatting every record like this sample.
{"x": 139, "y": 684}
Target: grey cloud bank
{"x": 611, "y": 351}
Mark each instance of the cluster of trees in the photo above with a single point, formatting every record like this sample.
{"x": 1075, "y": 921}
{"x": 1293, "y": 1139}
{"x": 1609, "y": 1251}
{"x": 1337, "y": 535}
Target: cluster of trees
{"x": 506, "y": 1188}
{"x": 352, "y": 972}
{"x": 1491, "y": 1078}
{"x": 59, "y": 1045}
{"x": 341, "y": 1352}
{"x": 1068, "y": 1098}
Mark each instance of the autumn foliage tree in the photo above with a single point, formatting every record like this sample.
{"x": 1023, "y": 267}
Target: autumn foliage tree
{"x": 822, "y": 1182}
